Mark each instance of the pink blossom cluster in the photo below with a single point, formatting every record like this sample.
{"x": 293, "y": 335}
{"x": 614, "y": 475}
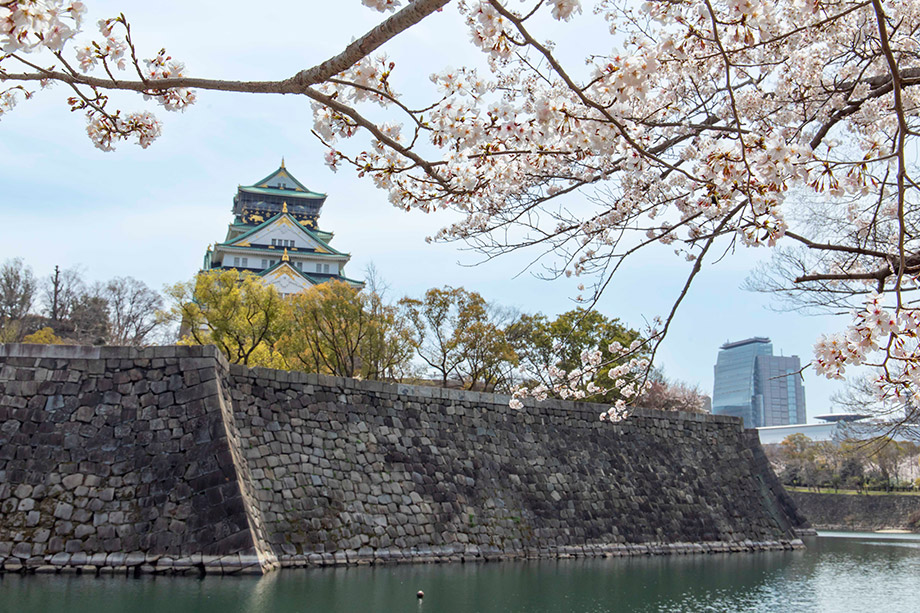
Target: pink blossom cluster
{"x": 26, "y": 25}
{"x": 623, "y": 366}
{"x": 162, "y": 66}
{"x": 885, "y": 340}
{"x": 112, "y": 50}
{"x": 104, "y": 130}
{"x": 34, "y": 26}
{"x": 382, "y": 5}
{"x": 699, "y": 118}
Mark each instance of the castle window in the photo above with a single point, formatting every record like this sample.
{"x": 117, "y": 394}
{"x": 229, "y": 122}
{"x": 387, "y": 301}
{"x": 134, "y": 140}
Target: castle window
{"x": 264, "y": 263}
{"x": 245, "y": 262}
{"x": 236, "y": 262}
{"x": 325, "y": 267}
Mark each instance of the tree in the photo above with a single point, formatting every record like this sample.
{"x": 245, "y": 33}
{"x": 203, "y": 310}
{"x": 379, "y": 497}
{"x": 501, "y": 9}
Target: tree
{"x": 435, "y": 320}
{"x": 547, "y": 348}
{"x": 339, "y": 330}
{"x": 17, "y": 291}
{"x": 798, "y": 453}
{"x": 388, "y": 347}
{"x": 459, "y": 335}
{"x": 668, "y": 395}
{"x": 488, "y": 357}
{"x": 703, "y": 129}
{"x": 133, "y": 309}
{"x": 88, "y": 322}
{"x": 60, "y": 291}
{"x": 235, "y": 311}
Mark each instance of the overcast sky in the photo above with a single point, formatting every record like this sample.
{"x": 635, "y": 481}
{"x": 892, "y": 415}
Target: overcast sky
{"x": 151, "y": 213}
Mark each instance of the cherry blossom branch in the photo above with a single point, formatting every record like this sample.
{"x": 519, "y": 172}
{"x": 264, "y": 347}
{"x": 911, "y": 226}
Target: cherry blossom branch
{"x": 297, "y": 84}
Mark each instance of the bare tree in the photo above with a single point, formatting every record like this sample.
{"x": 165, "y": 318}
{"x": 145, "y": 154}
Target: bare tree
{"x": 132, "y": 311}
{"x": 89, "y": 318}
{"x": 59, "y": 292}
{"x": 889, "y": 417}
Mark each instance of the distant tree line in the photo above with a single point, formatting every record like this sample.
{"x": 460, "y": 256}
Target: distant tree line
{"x": 65, "y": 308}
{"x": 448, "y": 336}
{"x": 878, "y": 464}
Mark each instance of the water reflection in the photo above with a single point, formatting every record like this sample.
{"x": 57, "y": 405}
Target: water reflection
{"x": 837, "y": 573}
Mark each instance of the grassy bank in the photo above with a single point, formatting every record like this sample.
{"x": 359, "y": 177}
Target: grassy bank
{"x": 827, "y": 490}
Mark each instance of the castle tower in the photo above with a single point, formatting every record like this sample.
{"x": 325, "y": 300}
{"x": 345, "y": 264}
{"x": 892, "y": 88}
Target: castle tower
{"x": 275, "y": 235}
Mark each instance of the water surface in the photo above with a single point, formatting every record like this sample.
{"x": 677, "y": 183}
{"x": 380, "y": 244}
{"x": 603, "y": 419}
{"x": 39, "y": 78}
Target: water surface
{"x": 838, "y": 572}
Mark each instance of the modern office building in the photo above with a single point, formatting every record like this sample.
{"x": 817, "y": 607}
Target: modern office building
{"x": 761, "y": 388}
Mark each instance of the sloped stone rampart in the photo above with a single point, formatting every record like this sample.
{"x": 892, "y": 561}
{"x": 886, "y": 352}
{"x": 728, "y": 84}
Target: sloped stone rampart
{"x": 169, "y": 460}
{"x": 860, "y": 512}
{"x": 119, "y": 459}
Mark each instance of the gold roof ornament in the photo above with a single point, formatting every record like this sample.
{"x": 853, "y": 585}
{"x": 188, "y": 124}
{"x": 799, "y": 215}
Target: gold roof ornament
{"x": 284, "y": 207}
{"x": 282, "y": 161}
{"x": 285, "y": 258}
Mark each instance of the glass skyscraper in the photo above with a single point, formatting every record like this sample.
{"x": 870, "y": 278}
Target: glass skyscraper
{"x": 761, "y": 388}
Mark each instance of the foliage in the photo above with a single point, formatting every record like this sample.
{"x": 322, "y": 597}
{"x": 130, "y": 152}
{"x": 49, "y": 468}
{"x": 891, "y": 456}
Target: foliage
{"x": 44, "y": 336}
{"x": 233, "y": 310}
{"x": 458, "y": 334}
{"x": 17, "y": 290}
{"x": 877, "y": 464}
{"x": 339, "y": 330}
{"x": 547, "y": 348}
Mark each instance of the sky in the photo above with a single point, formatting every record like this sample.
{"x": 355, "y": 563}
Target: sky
{"x": 150, "y": 214}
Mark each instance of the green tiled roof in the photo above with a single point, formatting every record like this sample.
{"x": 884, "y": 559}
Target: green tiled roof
{"x": 281, "y": 192}
{"x": 261, "y": 187}
{"x": 268, "y": 221}
{"x": 279, "y": 251}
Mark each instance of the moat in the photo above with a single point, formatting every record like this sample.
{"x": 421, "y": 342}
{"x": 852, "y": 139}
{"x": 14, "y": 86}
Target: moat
{"x": 837, "y": 572}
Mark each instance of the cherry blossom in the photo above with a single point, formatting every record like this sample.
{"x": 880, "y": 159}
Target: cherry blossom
{"x": 33, "y": 26}
{"x": 698, "y": 124}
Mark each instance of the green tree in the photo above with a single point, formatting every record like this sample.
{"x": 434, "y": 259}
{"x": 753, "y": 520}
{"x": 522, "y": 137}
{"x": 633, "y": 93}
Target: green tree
{"x": 17, "y": 293}
{"x": 339, "y": 330}
{"x": 797, "y": 456}
{"x": 458, "y": 334}
{"x": 541, "y": 343}
{"x": 235, "y": 311}
{"x": 435, "y": 320}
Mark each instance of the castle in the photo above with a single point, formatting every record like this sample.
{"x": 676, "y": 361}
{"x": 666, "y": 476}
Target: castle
{"x": 275, "y": 235}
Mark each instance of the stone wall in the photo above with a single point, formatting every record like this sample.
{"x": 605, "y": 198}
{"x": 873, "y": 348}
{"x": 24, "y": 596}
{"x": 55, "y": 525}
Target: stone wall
{"x": 170, "y": 460}
{"x": 859, "y": 512}
{"x": 114, "y": 458}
